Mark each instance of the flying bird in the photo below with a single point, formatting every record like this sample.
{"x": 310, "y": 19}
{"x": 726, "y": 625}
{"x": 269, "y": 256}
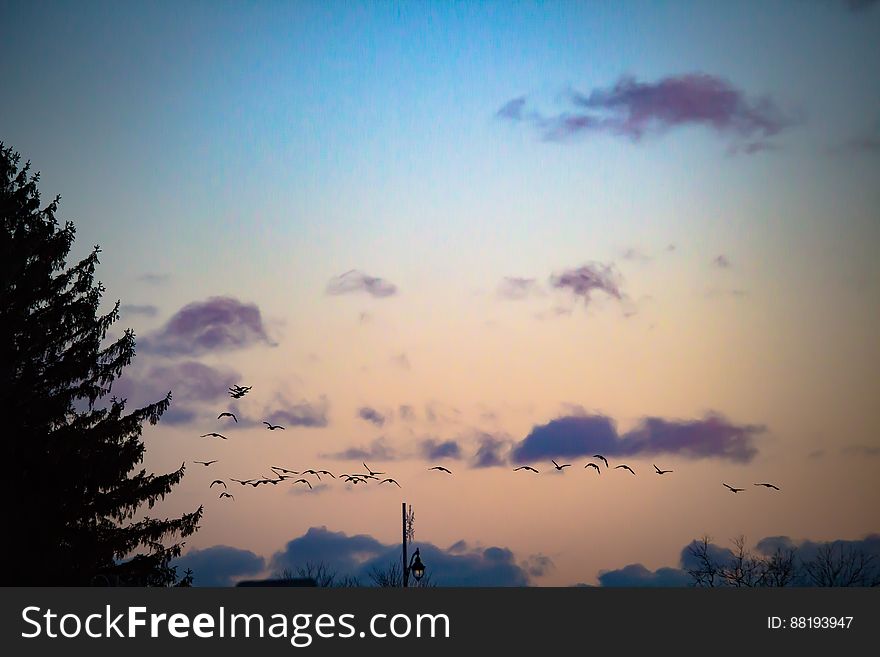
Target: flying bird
{"x": 734, "y": 490}
{"x": 225, "y": 494}
{"x": 441, "y": 469}
{"x": 324, "y": 472}
{"x": 311, "y": 472}
{"x": 241, "y": 481}
{"x": 232, "y": 415}
{"x": 218, "y": 481}
{"x": 213, "y": 434}
{"x": 593, "y": 465}
{"x": 625, "y": 467}
{"x": 237, "y": 392}
{"x": 285, "y": 470}
{"x": 272, "y": 427}
{"x": 659, "y": 471}
{"x": 390, "y": 481}
{"x": 559, "y": 467}
{"x": 205, "y": 463}
{"x": 372, "y": 474}
{"x": 768, "y": 486}
{"x": 525, "y": 467}
{"x": 304, "y": 481}
{"x": 599, "y": 456}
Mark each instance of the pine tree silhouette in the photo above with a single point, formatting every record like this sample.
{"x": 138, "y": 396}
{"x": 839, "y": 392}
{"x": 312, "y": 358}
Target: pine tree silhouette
{"x": 71, "y": 452}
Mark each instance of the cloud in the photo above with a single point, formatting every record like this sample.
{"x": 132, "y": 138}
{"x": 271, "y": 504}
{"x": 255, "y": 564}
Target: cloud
{"x": 432, "y": 449}
{"x": 302, "y": 414}
{"x": 860, "y": 450}
{"x": 191, "y": 384}
{"x": 584, "y": 435}
{"x": 406, "y": 412}
{"x": 632, "y": 109}
{"x": 371, "y": 415}
{"x": 584, "y": 280}
{"x": 220, "y": 565}
{"x": 356, "y": 281}
{"x": 514, "y": 288}
{"x": 491, "y": 451}
{"x": 722, "y": 262}
{"x": 217, "y": 324}
{"x": 634, "y": 255}
{"x": 357, "y": 555}
{"x": 146, "y": 310}
{"x": 636, "y": 575}
{"x": 153, "y": 279}
{"x": 807, "y": 550}
{"x": 537, "y": 565}
{"x": 378, "y": 450}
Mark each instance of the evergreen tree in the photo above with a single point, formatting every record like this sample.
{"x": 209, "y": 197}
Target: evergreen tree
{"x": 70, "y": 451}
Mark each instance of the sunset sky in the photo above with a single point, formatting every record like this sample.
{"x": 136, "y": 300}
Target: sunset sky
{"x": 481, "y": 235}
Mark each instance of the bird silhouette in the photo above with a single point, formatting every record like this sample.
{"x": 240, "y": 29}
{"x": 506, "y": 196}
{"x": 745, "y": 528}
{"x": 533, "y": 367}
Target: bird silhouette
{"x": 218, "y": 481}
{"x": 599, "y": 456}
{"x": 559, "y": 467}
{"x": 324, "y": 472}
{"x": 205, "y": 463}
{"x": 659, "y": 471}
{"x": 593, "y": 465}
{"x": 525, "y": 467}
{"x": 372, "y": 474}
{"x": 232, "y": 415}
{"x": 272, "y": 427}
{"x": 225, "y": 494}
{"x": 237, "y": 392}
{"x": 441, "y": 469}
{"x": 311, "y": 472}
{"x": 213, "y": 434}
{"x": 243, "y": 482}
{"x": 285, "y": 470}
{"x": 768, "y": 486}
{"x": 390, "y": 481}
{"x": 352, "y": 479}
{"x": 625, "y": 467}
{"x": 734, "y": 490}
{"x": 304, "y": 481}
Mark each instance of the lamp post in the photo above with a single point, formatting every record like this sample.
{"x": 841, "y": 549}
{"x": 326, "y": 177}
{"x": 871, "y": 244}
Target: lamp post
{"x": 415, "y": 565}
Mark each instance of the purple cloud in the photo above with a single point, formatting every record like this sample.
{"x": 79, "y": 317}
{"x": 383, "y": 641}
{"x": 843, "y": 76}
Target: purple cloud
{"x": 636, "y": 575}
{"x": 722, "y": 262}
{"x": 490, "y": 452}
{"x": 377, "y": 451}
{"x": 585, "y": 280}
{"x": 585, "y": 435}
{"x": 371, "y": 415}
{"x": 632, "y": 109}
{"x": 357, "y": 555}
{"x": 302, "y": 414}
{"x": 356, "y": 281}
{"x": 220, "y": 565}
{"x": 432, "y": 449}
{"x": 406, "y": 412}
{"x": 217, "y": 324}
{"x": 191, "y": 384}
{"x": 514, "y": 288}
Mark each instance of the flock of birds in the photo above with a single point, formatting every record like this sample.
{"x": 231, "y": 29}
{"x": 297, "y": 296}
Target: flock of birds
{"x": 299, "y": 476}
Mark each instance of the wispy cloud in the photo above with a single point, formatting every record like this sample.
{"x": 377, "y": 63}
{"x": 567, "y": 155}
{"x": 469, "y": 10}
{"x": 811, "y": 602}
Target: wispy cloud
{"x": 632, "y": 109}
{"x": 432, "y": 449}
{"x": 146, "y": 310}
{"x": 371, "y": 415}
{"x": 154, "y": 279}
{"x": 583, "y": 281}
{"x": 584, "y": 435}
{"x": 354, "y": 281}
{"x": 722, "y": 262}
{"x": 515, "y": 288}
{"x": 301, "y": 414}
{"x": 491, "y": 451}
{"x": 216, "y": 324}
{"x": 378, "y": 450}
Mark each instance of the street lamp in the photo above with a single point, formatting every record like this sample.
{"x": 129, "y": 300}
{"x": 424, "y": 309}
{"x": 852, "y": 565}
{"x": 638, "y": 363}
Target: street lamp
{"x": 416, "y": 567}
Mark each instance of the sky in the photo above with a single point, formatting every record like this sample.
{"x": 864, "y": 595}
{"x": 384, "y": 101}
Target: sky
{"x": 480, "y": 235}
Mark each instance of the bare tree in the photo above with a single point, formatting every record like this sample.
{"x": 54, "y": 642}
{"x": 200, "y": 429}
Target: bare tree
{"x": 743, "y": 569}
{"x": 387, "y": 577}
{"x": 322, "y": 575}
{"x": 707, "y": 572}
{"x": 780, "y": 568}
{"x": 838, "y": 564}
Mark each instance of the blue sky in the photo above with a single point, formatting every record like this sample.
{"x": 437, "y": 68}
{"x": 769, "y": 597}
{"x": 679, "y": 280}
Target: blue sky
{"x": 257, "y": 152}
